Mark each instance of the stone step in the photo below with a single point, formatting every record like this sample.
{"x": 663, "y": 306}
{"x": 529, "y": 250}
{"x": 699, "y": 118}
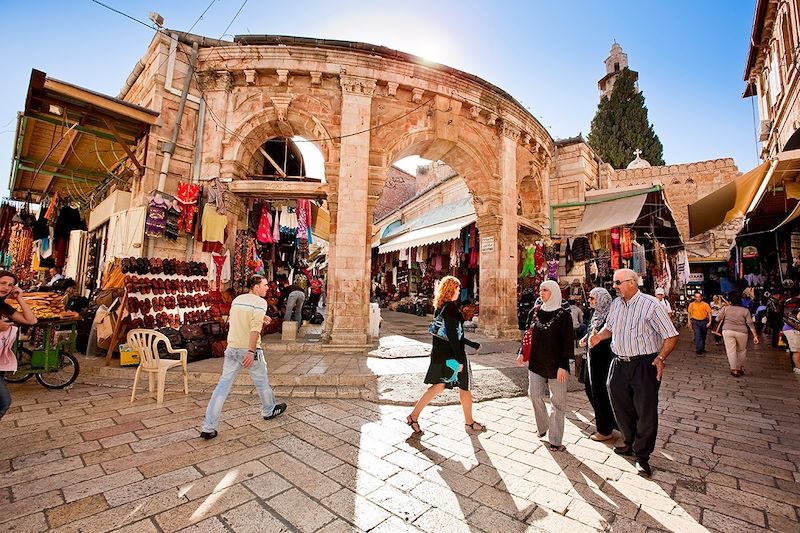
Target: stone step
{"x": 243, "y": 379}
{"x": 343, "y": 392}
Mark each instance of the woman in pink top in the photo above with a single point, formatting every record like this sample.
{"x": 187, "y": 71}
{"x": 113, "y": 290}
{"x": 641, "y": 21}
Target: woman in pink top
{"x": 10, "y": 316}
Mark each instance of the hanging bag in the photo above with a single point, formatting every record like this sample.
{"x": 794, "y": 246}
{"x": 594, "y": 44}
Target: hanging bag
{"x": 437, "y": 327}
{"x": 527, "y": 339}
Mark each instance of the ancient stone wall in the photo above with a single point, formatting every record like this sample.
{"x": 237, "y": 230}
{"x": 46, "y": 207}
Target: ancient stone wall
{"x": 398, "y": 189}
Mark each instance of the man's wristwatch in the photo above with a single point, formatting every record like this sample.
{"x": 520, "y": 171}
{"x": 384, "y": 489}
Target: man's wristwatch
{"x": 663, "y": 361}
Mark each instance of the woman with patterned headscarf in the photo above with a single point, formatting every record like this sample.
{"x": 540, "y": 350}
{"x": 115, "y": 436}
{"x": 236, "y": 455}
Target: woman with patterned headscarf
{"x": 598, "y": 361}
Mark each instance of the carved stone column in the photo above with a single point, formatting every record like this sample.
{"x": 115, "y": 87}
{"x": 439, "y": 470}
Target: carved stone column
{"x": 497, "y": 227}
{"x": 349, "y": 255}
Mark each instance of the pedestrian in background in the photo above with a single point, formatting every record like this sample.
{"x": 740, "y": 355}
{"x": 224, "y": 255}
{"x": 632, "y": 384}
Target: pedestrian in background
{"x": 642, "y": 337}
{"x": 775, "y": 316}
{"x": 661, "y": 297}
{"x": 577, "y": 320}
{"x": 699, "y": 322}
{"x": 736, "y": 320}
{"x": 598, "y": 363}
{"x": 717, "y": 303}
{"x": 440, "y": 375}
{"x": 548, "y": 367}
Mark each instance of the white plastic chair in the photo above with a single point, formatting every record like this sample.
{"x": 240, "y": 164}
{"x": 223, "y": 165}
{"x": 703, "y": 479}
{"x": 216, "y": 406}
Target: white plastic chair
{"x": 145, "y": 342}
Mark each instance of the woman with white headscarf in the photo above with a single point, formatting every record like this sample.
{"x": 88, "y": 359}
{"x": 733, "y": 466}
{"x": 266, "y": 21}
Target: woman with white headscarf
{"x": 598, "y": 361}
{"x": 553, "y": 346}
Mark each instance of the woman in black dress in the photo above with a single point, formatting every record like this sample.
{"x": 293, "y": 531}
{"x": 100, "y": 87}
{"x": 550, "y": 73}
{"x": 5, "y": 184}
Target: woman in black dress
{"x": 458, "y": 372}
{"x": 598, "y": 361}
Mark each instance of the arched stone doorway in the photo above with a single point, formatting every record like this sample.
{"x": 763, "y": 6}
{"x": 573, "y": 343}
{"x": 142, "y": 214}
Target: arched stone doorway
{"x": 365, "y": 108}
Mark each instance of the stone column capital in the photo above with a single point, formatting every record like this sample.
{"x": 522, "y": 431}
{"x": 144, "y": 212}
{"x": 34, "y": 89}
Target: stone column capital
{"x": 509, "y": 130}
{"x": 357, "y": 85}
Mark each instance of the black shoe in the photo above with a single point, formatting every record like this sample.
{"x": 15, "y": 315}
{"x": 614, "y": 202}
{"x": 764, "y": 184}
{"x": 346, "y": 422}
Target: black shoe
{"x": 554, "y": 448}
{"x": 209, "y": 434}
{"x": 279, "y": 409}
{"x": 627, "y": 451}
{"x": 643, "y": 468}
{"x": 541, "y": 435}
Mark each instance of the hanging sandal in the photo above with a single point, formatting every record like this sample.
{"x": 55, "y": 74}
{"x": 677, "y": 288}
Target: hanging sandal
{"x": 478, "y": 429}
{"x": 412, "y": 423}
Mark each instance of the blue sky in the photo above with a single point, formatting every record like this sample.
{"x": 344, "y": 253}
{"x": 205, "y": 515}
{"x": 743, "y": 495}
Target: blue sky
{"x": 548, "y": 55}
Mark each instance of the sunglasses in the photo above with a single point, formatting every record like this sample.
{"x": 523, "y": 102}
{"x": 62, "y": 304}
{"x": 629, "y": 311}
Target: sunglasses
{"x": 618, "y": 282}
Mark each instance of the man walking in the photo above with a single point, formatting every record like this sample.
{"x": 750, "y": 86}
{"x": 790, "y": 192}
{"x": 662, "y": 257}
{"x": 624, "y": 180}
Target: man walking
{"x": 699, "y": 322}
{"x": 247, "y": 315}
{"x": 661, "y": 297}
{"x": 642, "y": 337}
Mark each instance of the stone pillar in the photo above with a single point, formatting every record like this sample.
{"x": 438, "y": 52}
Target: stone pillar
{"x": 497, "y": 226}
{"x": 349, "y": 255}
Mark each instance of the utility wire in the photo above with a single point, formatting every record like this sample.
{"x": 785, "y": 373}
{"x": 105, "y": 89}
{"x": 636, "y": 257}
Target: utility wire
{"x": 233, "y": 19}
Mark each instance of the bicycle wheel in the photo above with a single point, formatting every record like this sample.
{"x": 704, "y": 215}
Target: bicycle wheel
{"x": 23, "y": 365}
{"x": 64, "y": 376}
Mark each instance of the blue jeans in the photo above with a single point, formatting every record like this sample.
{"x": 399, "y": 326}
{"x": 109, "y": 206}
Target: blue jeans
{"x": 5, "y": 396}
{"x": 231, "y": 367}
{"x": 294, "y": 306}
{"x": 700, "y": 328}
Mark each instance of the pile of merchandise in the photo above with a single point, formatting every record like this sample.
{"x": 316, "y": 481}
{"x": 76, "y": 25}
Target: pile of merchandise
{"x": 167, "y": 292}
{"x": 45, "y": 306}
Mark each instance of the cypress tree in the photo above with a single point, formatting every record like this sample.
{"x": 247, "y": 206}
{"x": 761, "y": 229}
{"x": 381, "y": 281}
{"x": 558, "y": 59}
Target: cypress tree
{"x": 621, "y": 126}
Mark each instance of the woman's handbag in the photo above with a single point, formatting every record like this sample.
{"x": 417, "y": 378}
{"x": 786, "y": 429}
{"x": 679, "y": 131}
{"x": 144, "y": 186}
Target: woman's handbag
{"x": 527, "y": 343}
{"x": 437, "y": 327}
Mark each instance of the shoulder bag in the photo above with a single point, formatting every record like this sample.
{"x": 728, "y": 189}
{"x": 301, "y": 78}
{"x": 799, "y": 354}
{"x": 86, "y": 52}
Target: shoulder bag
{"x": 437, "y": 327}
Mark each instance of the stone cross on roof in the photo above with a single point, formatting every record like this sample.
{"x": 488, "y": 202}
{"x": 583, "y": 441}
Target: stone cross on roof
{"x": 637, "y": 152}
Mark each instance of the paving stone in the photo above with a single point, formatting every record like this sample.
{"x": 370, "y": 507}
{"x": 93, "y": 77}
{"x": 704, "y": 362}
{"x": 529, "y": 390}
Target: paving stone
{"x": 78, "y": 491}
{"x": 299, "y": 510}
{"x": 438, "y": 521}
{"x": 309, "y": 454}
{"x": 58, "y": 481}
{"x": 302, "y": 476}
{"x": 199, "y": 510}
{"x": 148, "y": 487}
{"x": 32, "y": 523}
{"x": 399, "y": 503}
{"x": 488, "y": 519}
{"x": 35, "y": 459}
{"x": 356, "y": 509}
{"x": 35, "y": 472}
{"x": 231, "y": 460}
{"x": 443, "y": 497}
{"x": 75, "y": 510}
{"x": 40, "y": 502}
{"x": 358, "y": 481}
{"x": 267, "y": 485}
{"x": 395, "y": 525}
{"x": 252, "y": 518}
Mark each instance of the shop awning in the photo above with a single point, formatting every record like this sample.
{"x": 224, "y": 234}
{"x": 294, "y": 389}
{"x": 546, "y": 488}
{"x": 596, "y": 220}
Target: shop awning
{"x": 604, "y": 212}
{"x": 441, "y": 232}
{"x": 733, "y": 200}
{"x": 73, "y": 140}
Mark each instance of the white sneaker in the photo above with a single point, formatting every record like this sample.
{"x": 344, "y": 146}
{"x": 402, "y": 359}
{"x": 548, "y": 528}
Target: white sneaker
{"x": 796, "y": 370}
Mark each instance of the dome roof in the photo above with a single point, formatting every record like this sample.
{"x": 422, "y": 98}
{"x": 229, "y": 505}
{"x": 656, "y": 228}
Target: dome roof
{"x": 638, "y": 162}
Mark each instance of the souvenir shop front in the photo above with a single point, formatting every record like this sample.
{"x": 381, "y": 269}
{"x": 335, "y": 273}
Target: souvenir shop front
{"x": 629, "y": 227}
{"x": 411, "y": 257}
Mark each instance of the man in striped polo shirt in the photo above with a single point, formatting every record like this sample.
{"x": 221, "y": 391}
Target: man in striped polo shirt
{"x": 642, "y": 337}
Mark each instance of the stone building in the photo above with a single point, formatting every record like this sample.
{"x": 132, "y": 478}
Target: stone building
{"x": 364, "y": 107}
{"x": 578, "y": 171}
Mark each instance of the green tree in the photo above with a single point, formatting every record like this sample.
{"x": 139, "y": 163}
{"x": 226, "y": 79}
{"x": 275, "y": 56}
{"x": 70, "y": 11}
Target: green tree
{"x": 621, "y": 126}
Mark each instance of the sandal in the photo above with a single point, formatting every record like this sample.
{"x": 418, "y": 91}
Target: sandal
{"x": 480, "y": 427}
{"x": 412, "y": 423}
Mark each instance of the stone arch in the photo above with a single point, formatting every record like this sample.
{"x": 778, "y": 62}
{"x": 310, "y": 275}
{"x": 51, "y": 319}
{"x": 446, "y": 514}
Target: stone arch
{"x": 264, "y": 124}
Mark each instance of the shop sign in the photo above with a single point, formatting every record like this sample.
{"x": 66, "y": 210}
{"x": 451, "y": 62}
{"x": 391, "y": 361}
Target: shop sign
{"x": 487, "y": 245}
{"x": 696, "y": 277}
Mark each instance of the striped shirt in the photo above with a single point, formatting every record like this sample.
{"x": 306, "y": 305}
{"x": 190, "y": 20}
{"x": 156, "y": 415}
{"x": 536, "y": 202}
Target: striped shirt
{"x": 638, "y": 326}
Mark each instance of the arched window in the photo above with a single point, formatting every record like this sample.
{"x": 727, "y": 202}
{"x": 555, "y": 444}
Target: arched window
{"x": 788, "y": 43}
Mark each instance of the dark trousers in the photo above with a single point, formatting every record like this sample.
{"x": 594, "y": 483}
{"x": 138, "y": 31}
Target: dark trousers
{"x": 597, "y": 366}
{"x": 775, "y": 326}
{"x": 314, "y": 299}
{"x": 5, "y": 396}
{"x": 700, "y": 328}
{"x": 633, "y": 388}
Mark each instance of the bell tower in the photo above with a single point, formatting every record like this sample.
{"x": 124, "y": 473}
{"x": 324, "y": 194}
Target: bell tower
{"x": 616, "y": 62}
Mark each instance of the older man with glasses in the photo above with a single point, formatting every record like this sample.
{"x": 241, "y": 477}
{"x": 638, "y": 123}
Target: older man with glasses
{"x": 642, "y": 337}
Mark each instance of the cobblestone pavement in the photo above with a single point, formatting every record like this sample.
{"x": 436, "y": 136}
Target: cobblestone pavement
{"x": 727, "y": 459}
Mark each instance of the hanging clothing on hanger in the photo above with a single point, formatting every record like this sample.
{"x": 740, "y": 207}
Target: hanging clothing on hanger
{"x": 187, "y": 198}
{"x": 264, "y": 232}
{"x": 214, "y": 224}
{"x": 220, "y": 270}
